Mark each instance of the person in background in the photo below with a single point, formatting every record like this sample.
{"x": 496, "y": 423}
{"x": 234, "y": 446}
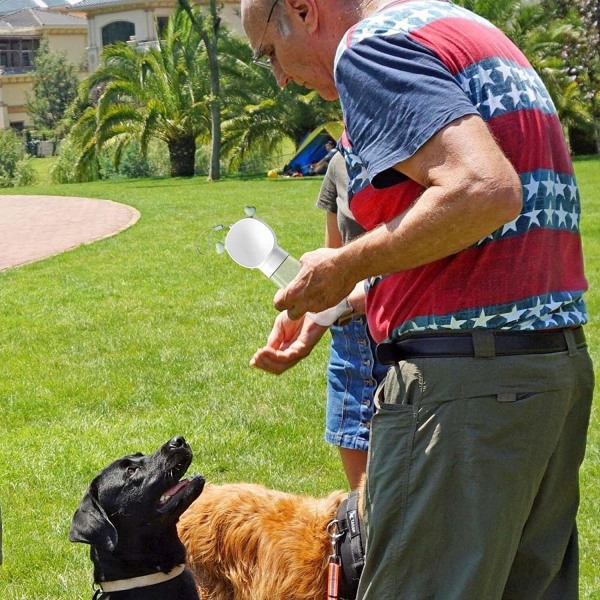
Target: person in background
{"x": 475, "y": 268}
{"x": 320, "y": 167}
{"x": 353, "y": 372}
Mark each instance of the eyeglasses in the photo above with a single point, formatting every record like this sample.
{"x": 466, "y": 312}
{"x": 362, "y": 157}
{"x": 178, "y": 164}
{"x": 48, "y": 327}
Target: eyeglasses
{"x": 258, "y": 58}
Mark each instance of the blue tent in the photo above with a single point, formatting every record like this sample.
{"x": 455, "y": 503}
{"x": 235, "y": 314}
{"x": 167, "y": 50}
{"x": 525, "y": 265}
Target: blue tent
{"x": 312, "y": 148}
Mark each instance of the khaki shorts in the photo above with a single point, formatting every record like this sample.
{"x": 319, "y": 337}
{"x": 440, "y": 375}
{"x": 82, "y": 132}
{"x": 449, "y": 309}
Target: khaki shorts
{"x": 472, "y": 487}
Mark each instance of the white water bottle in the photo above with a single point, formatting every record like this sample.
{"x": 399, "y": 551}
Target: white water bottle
{"x": 252, "y": 244}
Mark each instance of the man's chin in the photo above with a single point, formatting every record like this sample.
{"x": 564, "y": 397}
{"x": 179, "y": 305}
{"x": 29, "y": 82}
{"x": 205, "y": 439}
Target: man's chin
{"x": 327, "y": 91}
{"x": 328, "y": 94}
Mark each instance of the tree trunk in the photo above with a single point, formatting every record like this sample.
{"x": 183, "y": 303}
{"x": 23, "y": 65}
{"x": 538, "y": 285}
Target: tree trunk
{"x": 182, "y": 154}
{"x": 215, "y": 111}
{"x": 208, "y": 29}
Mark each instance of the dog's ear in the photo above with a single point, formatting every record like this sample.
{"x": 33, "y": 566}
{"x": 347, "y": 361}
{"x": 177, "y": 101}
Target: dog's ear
{"x": 91, "y": 525}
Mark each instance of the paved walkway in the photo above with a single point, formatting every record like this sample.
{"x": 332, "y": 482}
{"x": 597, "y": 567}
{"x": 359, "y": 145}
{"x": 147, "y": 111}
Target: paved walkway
{"x": 35, "y": 227}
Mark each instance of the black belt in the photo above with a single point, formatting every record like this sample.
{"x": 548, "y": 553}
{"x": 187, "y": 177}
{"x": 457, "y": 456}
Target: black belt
{"x": 494, "y": 343}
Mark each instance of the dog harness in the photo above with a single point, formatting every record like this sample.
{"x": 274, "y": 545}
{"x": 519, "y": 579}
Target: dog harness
{"x": 120, "y": 585}
{"x": 348, "y": 556}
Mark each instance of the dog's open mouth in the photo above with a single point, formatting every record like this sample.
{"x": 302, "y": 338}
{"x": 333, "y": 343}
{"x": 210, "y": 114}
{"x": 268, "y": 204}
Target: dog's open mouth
{"x": 175, "y": 494}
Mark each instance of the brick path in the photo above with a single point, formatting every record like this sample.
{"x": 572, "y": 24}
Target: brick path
{"x": 35, "y": 227}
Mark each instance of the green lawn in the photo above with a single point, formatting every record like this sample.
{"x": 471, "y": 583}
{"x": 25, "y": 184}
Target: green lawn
{"x": 119, "y": 345}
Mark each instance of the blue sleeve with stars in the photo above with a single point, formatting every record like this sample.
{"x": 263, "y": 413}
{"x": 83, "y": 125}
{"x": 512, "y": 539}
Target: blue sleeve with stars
{"x": 396, "y": 94}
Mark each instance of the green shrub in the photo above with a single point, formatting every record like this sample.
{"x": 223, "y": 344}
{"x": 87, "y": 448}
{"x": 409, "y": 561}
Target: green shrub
{"x": 202, "y": 161}
{"x": 158, "y": 159}
{"x": 14, "y": 169}
{"x": 64, "y": 171}
{"x": 257, "y": 162}
{"x": 155, "y": 164}
{"x": 133, "y": 164}
{"x": 24, "y": 172}
{"x": 254, "y": 162}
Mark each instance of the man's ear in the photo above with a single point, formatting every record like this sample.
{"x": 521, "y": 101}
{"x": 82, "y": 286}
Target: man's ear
{"x": 307, "y": 11}
{"x": 91, "y": 525}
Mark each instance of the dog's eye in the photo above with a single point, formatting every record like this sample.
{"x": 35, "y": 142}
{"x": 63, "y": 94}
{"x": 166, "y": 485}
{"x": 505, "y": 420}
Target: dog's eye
{"x": 131, "y": 471}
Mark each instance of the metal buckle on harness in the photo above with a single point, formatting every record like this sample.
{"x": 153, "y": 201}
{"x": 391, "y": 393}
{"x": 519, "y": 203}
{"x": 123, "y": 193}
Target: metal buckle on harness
{"x": 98, "y": 593}
{"x": 334, "y": 562}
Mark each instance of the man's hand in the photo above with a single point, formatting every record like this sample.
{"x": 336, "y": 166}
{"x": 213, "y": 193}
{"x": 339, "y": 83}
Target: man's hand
{"x": 289, "y": 342}
{"x": 319, "y": 285}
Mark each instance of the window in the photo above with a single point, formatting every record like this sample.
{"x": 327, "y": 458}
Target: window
{"x": 18, "y": 53}
{"x": 28, "y": 48}
{"x": 119, "y": 31}
{"x": 161, "y": 23}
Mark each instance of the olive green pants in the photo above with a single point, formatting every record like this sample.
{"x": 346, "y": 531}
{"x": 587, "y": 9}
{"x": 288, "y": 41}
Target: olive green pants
{"x": 472, "y": 487}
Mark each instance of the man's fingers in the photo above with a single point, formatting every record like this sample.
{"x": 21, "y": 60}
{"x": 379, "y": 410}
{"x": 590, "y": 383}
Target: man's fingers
{"x": 272, "y": 362}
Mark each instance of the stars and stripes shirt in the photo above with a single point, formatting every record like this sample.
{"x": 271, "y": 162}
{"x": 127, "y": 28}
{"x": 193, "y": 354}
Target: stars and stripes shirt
{"x": 403, "y": 74}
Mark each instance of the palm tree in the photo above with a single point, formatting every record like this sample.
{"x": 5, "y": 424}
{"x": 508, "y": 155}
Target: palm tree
{"x": 541, "y": 37}
{"x": 209, "y": 28}
{"x": 160, "y": 92}
{"x": 258, "y": 115}
{"x": 582, "y": 57}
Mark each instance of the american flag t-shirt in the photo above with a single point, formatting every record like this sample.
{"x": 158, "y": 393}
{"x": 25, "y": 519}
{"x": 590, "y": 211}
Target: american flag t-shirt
{"x": 403, "y": 74}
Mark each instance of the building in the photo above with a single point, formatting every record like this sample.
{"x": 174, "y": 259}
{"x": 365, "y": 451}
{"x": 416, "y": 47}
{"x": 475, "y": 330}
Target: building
{"x": 110, "y": 21}
{"x": 81, "y": 28}
{"x": 20, "y": 36}
{"x": 10, "y": 6}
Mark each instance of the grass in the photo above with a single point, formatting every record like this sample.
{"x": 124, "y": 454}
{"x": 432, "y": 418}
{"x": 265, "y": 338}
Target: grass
{"x": 42, "y": 167}
{"x": 117, "y": 346}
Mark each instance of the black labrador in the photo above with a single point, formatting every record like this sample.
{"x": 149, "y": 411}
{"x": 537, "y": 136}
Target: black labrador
{"x": 129, "y": 515}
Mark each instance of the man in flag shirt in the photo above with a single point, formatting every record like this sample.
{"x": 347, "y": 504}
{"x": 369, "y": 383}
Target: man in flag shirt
{"x": 475, "y": 282}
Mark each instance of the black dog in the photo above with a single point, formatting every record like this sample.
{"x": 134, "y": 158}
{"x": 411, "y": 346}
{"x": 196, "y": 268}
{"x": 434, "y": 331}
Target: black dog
{"x": 129, "y": 515}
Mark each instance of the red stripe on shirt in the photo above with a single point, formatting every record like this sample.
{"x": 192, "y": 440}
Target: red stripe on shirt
{"x": 532, "y": 140}
{"x": 462, "y": 42}
{"x": 494, "y": 274}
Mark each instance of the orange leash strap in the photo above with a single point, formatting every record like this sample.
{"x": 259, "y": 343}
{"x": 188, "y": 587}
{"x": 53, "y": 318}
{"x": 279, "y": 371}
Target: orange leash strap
{"x": 334, "y": 562}
{"x": 333, "y": 579}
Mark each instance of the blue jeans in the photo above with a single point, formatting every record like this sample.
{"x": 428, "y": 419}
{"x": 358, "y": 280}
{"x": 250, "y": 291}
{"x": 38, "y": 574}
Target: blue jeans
{"x": 353, "y": 375}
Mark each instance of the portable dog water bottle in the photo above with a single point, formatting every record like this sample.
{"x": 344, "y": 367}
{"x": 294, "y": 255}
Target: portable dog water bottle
{"x": 252, "y": 244}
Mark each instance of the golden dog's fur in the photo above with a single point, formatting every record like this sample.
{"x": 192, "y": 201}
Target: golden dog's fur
{"x": 247, "y": 542}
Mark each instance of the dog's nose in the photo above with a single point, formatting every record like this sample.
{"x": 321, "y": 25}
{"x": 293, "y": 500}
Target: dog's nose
{"x": 178, "y": 442}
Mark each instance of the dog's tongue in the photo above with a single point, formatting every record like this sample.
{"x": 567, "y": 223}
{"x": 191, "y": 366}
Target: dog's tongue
{"x": 172, "y": 491}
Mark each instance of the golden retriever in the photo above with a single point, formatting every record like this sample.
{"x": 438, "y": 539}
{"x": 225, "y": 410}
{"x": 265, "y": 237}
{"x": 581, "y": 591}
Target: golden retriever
{"x": 247, "y": 542}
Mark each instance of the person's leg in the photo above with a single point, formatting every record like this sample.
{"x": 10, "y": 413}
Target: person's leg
{"x": 454, "y": 472}
{"x": 355, "y": 465}
{"x": 546, "y": 565}
{"x": 352, "y": 378}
